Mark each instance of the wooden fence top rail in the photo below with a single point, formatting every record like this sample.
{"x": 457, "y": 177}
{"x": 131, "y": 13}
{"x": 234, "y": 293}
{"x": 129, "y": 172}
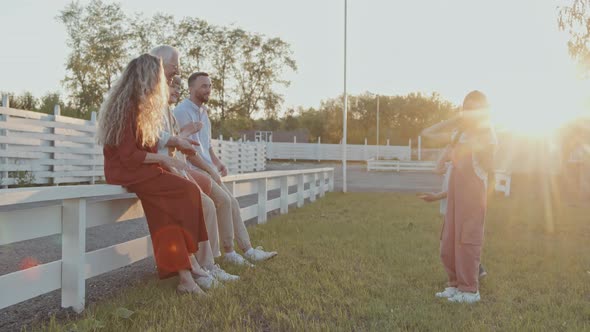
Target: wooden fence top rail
{"x": 274, "y": 174}
{"x": 41, "y": 194}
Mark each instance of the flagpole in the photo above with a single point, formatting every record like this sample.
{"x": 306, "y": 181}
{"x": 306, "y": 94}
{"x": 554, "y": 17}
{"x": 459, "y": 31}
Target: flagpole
{"x": 345, "y": 104}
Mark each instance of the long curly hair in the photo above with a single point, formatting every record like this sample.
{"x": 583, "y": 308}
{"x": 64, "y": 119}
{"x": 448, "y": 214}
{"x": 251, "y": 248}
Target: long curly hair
{"x": 137, "y": 97}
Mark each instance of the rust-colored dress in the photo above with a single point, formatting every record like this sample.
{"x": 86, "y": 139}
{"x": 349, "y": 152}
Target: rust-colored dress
{"x": 172, "y": 205}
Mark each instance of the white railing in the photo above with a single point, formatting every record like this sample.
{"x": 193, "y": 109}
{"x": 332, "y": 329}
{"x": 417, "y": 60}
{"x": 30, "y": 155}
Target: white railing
{"x": 37, "y": 148}
{"x": 400, "y": 165}
{"x": 502, "y": 178}
{"x": 70, "y": 210}
{"x": 503, "y": 181}
{"x": 319, "y": 152}
{"x": 240, "y": 157}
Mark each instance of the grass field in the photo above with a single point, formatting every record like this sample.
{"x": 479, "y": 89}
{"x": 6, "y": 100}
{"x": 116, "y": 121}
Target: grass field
{"x": 370, "y": 262}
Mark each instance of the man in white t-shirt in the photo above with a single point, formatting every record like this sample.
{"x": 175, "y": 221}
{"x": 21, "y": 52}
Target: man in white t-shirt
{"x": 231, "y": 225}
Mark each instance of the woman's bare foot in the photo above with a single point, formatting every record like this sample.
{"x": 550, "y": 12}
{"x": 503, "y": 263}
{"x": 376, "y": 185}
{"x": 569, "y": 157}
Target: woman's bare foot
{"x": 196, "y": 269}
{"x": 187, "y": 284}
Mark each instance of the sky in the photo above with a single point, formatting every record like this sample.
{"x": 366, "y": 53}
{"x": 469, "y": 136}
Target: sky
{"x": 511, "y": 50}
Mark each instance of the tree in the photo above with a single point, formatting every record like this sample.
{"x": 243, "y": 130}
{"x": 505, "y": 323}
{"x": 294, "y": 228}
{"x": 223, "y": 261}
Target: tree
{"x": 246, "y": 68}
{"x": 262, "y": 63}
{"x": 26, "y": 101}
{"x": 575, "y": 19}
{"x": 223, "y": 52}
{"x": 97, "y": 36}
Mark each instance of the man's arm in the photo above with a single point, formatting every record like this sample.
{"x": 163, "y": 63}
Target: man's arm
{"x": 197, "y": 161}
{"x": 218, "y": 163}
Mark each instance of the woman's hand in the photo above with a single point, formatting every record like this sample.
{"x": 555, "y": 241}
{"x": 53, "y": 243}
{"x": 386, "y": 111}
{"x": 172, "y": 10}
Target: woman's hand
{"x": 186, "y": 145}
{"x": 191, "y": 128}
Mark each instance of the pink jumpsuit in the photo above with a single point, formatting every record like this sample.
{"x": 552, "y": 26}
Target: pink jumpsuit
{"x": 463, "y": 230}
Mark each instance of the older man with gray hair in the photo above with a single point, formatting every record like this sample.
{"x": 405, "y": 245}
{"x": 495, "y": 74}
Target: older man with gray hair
{"x": 170, "y": 60}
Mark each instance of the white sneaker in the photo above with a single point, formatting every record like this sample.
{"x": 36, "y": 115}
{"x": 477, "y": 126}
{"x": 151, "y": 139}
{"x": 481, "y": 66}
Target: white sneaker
{"x": 207, "y": 282}
{"x": 258, "y": 254}
{"x": 448, "y": 292}
{"x": 235, "y": 258}
{"x": 465, "y": 297}
{"x": 219, "y": 274}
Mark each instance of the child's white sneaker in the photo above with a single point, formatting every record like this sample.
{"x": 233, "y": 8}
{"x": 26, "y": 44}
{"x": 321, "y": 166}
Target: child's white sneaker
{"x": 448, "y": 292}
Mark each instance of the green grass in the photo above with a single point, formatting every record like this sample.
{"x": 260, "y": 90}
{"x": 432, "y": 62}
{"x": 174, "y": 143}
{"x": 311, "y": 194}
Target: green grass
{"x": 370, "y": 262}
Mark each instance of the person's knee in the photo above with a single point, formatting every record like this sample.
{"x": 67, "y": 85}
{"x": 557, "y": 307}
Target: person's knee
{"x": 207, "y": 201}
{"x": 208, "y": 206}
{"x": 223, "y": 200}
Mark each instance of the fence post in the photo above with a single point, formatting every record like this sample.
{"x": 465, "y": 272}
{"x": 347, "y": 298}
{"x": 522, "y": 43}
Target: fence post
{"x": 419, "y": 147}
{"x": 284, "y": 194}
{"x": 366, "y": 152}
{"x": 294, "y": 144}
{"x": 300, "y": 188}
{"x": 73, "y": 254}
{"x": 269, "y": 149}
{"x": 410, "y": 149}
{"x": 322, "y": 184}
{"x": 262, "y": 197}
{"x": 93, "y": 145}
{"x": 319, "y": 147}
{"x": 3, "y": 147}
{"x": 331, "y": 181}
{"x": 313, "y": 188}
{"x": 231, "y": 186}
{"x": 53, "y": 131}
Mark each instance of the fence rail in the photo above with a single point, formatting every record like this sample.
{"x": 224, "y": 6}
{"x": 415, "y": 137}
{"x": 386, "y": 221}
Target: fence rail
{"x": 70, "y": 210}
{"x": 38, "y": 148}
{"x": 319, "y": 152}
{"x": 400, "y": 165}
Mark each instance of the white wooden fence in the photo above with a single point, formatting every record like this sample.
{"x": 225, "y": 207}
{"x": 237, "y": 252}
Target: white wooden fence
{"x": 37, "y": 148}
{"x": 319, "y": 152}
{"x": 502, "y": 178}
{"x": 240, "y": 157}
{"x": 70, "y": 210}
{"x": 400, "y": 165}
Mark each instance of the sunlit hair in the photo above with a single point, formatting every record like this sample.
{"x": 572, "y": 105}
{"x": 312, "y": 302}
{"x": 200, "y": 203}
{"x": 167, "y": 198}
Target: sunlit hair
{"x": 475, "y": 100}
{"x": 166, "y": 52}
{"x": 138, "y": 96}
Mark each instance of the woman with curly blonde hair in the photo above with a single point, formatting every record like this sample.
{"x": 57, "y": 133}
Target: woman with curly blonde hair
{"x": 129, "y": 128}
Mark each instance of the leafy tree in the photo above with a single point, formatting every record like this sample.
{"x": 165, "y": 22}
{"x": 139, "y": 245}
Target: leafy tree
{"x": 97, "y": 36}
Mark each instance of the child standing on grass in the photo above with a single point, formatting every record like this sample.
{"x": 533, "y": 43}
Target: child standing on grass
{"x": 444, "y": 166}
{"x": 471, "y": 154}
